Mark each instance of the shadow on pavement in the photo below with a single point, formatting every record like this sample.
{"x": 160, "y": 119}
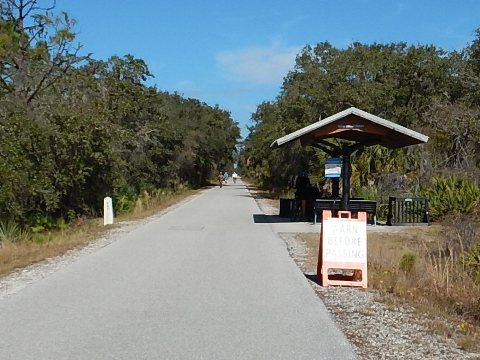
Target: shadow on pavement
{"x": 313, "y": 277}
{"x": 269, "y": 219}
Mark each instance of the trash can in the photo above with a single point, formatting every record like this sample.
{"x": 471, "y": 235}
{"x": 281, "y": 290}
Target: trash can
{"x": 286, "y": 207}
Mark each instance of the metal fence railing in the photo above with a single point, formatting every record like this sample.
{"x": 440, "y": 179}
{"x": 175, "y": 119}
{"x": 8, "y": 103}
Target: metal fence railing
{"x": 407, "y": 211}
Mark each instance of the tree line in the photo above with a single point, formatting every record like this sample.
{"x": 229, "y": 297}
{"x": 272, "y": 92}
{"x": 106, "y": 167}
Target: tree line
{"x": 74, "y": 129}
{"x": 421, "y": 87}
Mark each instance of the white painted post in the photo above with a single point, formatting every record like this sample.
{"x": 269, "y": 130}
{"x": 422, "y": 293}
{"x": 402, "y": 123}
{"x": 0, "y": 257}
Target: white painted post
{"x": 107, "y": 211}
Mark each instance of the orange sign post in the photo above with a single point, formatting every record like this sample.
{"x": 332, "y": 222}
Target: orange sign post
{"x": 343, "y": 250}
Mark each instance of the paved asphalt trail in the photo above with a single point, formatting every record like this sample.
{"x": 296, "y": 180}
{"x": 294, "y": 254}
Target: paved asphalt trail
{"x": 203, "y": 281}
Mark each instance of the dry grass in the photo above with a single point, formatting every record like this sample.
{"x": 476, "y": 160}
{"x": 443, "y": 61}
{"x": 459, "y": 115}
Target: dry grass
{"x": 422, "y": 266}
{"x": 14, "y": 255}
{"x": 437, "y": 275}
{"x": 20, "y": 254}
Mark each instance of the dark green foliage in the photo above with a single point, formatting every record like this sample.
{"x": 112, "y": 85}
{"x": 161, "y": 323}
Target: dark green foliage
{"x": 71, "y": 135}
{"x": 421, "y": 87}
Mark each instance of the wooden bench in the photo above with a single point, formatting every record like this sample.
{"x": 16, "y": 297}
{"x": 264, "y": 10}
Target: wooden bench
{"x": 368, "y": 206}
{"x": 324, "y": 204}
{"x": 355, "y": 206}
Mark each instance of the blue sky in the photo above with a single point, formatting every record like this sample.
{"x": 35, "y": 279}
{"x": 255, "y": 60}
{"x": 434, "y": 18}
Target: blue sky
{"x": 236, "y": 53}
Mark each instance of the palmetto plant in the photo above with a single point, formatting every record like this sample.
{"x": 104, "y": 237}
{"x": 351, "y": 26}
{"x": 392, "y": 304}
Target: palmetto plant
{"x": 375, "y": 160}
{"x": 452, "y": 195}
{"x": 11, "y": 231}
{"x": 8, "y": 230}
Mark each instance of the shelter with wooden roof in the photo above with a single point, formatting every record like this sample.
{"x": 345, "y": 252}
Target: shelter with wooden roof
{"x": 356, "y": 129}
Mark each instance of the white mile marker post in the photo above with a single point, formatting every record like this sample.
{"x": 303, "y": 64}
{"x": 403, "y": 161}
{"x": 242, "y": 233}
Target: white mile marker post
{"x": 107, "y": 211}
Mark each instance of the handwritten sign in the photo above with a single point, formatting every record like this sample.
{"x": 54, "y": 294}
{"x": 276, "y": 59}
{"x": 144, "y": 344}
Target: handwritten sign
{"x": 344, "y": 240}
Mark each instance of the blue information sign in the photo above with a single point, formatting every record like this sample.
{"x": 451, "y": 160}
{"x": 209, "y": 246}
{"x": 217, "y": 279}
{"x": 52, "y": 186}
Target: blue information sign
{"x": 333, "y": 167}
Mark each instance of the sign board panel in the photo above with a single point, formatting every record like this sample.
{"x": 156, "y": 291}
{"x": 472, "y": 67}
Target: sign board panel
{"x": 344, "y": 240}
{"x": 333, "y": 167}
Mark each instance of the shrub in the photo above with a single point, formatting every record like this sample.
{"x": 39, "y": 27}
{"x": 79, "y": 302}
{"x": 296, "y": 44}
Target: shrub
{"x": 39, "y": 222}
{"x": 471, "y": 260}
{"x": 451, "y": 195}
{"x": 8, "y": 230}
{"x": 366, "y": 192}
{"x": 124, "y": 204}
{"x": 11, "y": 231}
{"x": 407, "y": 262}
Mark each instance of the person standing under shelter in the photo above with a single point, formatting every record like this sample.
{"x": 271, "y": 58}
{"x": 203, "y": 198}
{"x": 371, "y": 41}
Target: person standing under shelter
{"x": 302, "y": 186}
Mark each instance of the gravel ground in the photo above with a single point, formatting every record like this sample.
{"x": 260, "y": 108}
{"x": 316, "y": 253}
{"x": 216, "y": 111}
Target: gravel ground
{"x": 376, "y": 330}
{"x": 380, "y": 330}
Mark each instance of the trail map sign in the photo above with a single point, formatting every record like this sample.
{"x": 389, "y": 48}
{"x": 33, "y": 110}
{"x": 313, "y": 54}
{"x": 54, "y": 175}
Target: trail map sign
{"x": 333, "y": 167}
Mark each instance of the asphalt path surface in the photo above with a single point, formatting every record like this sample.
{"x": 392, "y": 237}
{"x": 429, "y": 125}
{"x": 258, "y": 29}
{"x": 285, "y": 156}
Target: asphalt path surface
{"x": 209, "y": 279}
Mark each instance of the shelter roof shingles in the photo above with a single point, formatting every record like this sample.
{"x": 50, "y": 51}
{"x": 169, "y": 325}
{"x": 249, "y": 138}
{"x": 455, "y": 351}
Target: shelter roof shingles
{"x": 357, "y": 126}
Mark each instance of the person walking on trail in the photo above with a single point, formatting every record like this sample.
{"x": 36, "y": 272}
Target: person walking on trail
{"x": 234, "y": 177}
{"x": 221, "y": 179}
{"x": 225, "y": 176}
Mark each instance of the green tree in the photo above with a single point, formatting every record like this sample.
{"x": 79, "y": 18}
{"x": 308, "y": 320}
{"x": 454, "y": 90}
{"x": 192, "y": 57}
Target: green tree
{"x": 36, "y": 47}
{"x": 398, "y": 82}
